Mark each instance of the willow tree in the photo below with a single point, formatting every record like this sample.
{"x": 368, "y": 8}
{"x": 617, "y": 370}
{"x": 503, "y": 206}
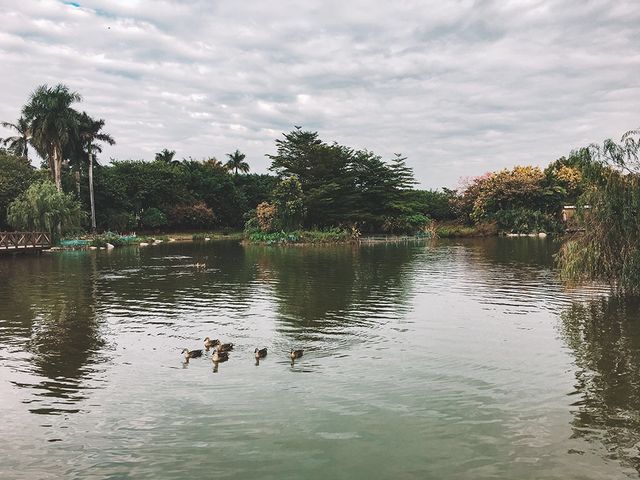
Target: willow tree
{"x": 42, "y": 207}
{"x": 609, "y": 249}
{"x": 90, "y": 134}
{"x": 53, "y": 123}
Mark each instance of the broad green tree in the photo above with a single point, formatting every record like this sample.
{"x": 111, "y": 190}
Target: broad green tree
{"x": 18, "y": 144}
{"x": 90, "y": 133}
{"x": 53, "y": 123}
{"x": 236, "y": 162}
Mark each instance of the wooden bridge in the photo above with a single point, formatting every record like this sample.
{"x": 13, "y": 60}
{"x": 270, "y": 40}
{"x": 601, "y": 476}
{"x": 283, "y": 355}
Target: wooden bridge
{"x": 24, "y": 241}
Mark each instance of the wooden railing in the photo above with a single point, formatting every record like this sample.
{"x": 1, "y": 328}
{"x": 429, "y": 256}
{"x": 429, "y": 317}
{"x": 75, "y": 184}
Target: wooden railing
{"x": 12, "y": 241}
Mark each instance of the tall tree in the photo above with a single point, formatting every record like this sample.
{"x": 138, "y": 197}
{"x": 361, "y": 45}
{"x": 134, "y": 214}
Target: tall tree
{"x": 53, "y": 122}
{"x": 90, "y": 133}
{"x": 18, "y": 144}
{"x": 166, "y": 155}
{"x": 236, "y": 162}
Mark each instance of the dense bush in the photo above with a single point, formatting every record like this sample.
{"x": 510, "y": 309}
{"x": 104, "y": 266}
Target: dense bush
{"x": 406, "y": 224}
{"x": 525, "y": 220}
{"x": 195, "y": 216}
{"x": 153, "y": 218}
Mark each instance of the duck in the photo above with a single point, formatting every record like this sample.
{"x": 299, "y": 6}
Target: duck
{"x": 219, "y": 356}
{"x": 261, "y": 353}
{"x": 296, "y": 354}
{"x": 222, "y": 347}
{"x": 208, "y": 343}
{"x": 191, "y": 354}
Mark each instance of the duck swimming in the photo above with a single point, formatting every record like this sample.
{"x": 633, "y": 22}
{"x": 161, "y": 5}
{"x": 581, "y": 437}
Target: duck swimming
{"x": 222, "y": 347}
{"x": 191, "y": 354}
{"x": 261, "y": 353}
{"x": 219, "y": 356}
{"x": 208, "y": 343}
{"x": 296, "y": 354}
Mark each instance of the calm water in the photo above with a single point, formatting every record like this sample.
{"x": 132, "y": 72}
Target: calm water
{"x": 453, "y": 360}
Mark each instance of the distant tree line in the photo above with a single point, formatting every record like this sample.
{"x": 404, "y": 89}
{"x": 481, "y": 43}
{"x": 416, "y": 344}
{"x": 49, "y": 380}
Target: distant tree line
{"x": 313, "y": 185}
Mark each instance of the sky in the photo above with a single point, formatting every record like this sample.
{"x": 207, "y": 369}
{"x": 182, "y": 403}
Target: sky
{"x": 458, "y": 87}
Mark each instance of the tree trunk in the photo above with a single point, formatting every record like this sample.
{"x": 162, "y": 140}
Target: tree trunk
{"x": 93, "y": 205}
{"x": 57, "y": 167}
{"x": 77, "y": 176}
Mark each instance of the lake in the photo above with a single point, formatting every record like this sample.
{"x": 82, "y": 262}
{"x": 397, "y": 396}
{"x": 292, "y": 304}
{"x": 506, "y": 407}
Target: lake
{"x": 426, "y": 360}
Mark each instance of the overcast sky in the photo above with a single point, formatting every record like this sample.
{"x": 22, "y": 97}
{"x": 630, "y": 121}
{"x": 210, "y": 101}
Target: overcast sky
{"x": 460, "y": 88}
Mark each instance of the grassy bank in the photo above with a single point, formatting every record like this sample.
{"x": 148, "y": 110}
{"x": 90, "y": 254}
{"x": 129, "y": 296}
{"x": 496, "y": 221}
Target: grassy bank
{"x": 457, "y": 230}
{"x": 334, "y": 235}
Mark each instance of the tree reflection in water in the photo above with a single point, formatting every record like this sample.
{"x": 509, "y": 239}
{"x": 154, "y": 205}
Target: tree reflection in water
{"x": 355, "y": 291}
{"x": 53, "y": 300}
{"x": 604, "y": 336}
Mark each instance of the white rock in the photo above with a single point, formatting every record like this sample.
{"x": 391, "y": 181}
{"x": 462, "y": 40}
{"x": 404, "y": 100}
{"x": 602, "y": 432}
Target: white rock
{"x": 542, "y": 235}
{"x": 143, "y": 244}
{"x": 93, "y": 248}
{"x": 157, "y": 241}
{"x": 109, "y": 246}
{"x": 206, "y": 239}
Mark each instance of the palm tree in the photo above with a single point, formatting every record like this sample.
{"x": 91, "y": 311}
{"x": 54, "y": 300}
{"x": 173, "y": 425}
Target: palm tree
{"x": 53, "y": 122}
{"x": 236, "y": 162}
{"x": 19, "y": 144}
{"x": 90, "y": 133}
{"x": 166, "y": 155}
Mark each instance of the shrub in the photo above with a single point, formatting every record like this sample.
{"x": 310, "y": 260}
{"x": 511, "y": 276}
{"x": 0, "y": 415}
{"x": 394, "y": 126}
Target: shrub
{"x": 524, "y": 220}
{"x": 196, "y": 215}
{"x": 122, "y": 221}
{"x": 112, "y": 238}
{"x": 153, "y": 218}
{"x": 266, "y": 216}
{"x": 407, "y": 224}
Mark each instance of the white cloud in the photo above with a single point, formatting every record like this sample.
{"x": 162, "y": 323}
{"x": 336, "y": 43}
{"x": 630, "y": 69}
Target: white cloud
{"x": 459, "y": 87}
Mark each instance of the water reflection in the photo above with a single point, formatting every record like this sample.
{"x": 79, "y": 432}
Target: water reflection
{"x": 604, "y": 336}
{"x": 52, "y": 319}
{"x": 341, "y": 292}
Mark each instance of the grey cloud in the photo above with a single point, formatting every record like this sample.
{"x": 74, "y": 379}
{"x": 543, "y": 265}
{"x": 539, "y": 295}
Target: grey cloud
{"x": 459, "y": 87}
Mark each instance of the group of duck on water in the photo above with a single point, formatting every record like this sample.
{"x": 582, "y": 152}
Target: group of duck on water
{"x": 221, "y": 352}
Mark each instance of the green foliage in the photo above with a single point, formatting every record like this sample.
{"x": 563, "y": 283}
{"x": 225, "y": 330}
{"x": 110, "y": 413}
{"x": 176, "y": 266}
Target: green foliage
{"x": 153, "y": 218}
{"x": 436, "y": 204}
{"x": 113, "y": 238}
{"x": 42, "y": 207}
{"x": 526, "y": 220}
{"x": 406, "y": 224}
{"x": 332, "y": 235}
{"x": 453, "y": 230}
{"x": 236, "y": 162}
{"x": 520, "y": 198}
{"x": 53, "y": 124}
{"x": 15, "y": 177}
{"x": 18, "y": 145}
{"x": 342, "y": 186}
{"x": 289, "y": 203}
{"x": 609, "y": 249}
{"x": 195, "y": 215}
{"x": 165, "y": 155}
